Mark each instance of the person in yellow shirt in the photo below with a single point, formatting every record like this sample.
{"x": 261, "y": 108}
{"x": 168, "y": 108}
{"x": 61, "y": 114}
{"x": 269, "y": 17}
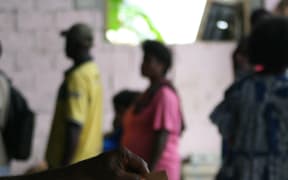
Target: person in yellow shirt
{"x": 76, "y": 132}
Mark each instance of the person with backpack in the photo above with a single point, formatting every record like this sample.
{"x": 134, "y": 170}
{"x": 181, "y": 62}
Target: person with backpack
{"x": 16, "y": 124}
{"x": 76, "y": 132}
{"x": 4, "y": 94}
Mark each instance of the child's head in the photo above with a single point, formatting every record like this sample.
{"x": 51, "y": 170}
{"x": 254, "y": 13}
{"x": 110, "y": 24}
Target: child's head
{"x": 121, "y": 102}
{"x": 268, "y": 45}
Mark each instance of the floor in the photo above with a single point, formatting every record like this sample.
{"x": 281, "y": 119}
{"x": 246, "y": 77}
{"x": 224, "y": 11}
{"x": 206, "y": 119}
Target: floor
{"x": 200, "y": 167}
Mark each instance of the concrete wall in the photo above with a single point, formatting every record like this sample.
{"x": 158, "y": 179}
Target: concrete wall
{"x": 202, "y": 73}
{"x": 34, "y": 60}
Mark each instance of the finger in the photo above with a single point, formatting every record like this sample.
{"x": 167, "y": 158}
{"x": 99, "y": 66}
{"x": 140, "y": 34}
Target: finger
{"x": 137, "y": 164}
{"x": 134, "y": 162}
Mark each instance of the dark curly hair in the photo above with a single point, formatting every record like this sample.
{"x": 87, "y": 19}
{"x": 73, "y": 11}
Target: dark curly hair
{"x": 268, "y": 44}
{"x": 162, "y": 53}
{"x": 259, "y": 15}
{"x": 125, "y": 98}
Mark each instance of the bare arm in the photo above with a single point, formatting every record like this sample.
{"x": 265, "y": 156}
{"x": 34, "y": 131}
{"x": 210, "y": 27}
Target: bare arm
{"x": 72, "y": 140}
{"x": 158, "y": 147}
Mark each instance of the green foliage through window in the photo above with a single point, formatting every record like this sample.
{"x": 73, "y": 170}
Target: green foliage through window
{"x": 132, "y": 21}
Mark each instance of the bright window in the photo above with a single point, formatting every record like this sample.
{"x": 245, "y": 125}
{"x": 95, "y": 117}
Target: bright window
{"x": 170, "y": 21}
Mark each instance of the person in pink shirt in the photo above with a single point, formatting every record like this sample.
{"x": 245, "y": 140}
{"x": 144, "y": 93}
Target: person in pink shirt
{"x": 153, "y": 125}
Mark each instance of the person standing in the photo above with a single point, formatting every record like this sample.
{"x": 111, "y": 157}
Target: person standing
{"x": 252, "y": 117}
{"x": 76, "y": 132}
{"x": 4, "y": 103}
{"x": 121, "y": 102}
{"x": 16, "y": 124}
{"x": 152, "y": 127}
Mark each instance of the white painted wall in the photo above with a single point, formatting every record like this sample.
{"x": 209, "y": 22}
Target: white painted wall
{"x": 203, "y": 72}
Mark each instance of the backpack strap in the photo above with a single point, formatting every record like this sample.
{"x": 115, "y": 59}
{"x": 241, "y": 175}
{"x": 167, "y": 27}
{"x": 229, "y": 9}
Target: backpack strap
{"x": 4, "y": 96}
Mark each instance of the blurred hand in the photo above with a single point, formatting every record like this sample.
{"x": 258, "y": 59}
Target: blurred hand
{"x": 116, "y": 165}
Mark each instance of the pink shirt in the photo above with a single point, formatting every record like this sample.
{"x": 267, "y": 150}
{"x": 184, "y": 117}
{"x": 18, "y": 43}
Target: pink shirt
{"x": 162, "y": 113}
